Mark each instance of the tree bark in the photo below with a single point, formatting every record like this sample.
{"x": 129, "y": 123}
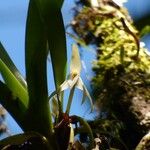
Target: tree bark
{"x": 122, "y": 77}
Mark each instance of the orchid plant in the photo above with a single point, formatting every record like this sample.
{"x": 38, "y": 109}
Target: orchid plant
{"x": 40, "y": 116}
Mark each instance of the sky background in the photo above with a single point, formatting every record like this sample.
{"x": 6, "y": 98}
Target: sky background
{"x": 12, "y": 32}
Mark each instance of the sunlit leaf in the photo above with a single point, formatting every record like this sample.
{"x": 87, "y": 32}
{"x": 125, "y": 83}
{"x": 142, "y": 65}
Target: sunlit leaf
{"x": 145, "y": 30}
{"x": 7, "y": 60}
{"x": 13, "y": 84}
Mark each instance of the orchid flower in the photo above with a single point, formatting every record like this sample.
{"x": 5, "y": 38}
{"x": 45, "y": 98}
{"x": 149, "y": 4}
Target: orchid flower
{"x": 74, "y": 80}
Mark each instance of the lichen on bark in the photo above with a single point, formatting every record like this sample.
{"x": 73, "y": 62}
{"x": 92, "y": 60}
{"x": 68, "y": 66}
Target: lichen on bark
{"x": 122, "y": 68}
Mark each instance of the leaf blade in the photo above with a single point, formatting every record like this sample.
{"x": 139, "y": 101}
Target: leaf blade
{"x": 52, "y": 17}
{"x": 7, "y": 60}
{"x": 19, "y": 139}
{"x": 36, "y": 73}
{"x": 11, "y": 103}
{"x": 13, "y": 84}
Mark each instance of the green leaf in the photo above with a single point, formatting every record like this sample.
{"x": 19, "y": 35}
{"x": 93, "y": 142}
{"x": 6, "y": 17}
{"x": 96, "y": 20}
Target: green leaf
{"x": 36, "y": 73}
{"x": 52, "y": 17}
{"x": 12, "y": 77}
{"x": 145, "y": 30}
{"x": 7, "y": 60}
{"x": 87, "y": 129}
{"x": 33, "y": 139}
{"x": 13, "y": 84}
{"x": 13, "y": 104}
{"x": 58, "y": 3}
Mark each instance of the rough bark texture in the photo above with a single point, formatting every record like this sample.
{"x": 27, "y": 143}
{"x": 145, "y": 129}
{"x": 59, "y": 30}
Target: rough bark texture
{"x": 122, "y": 70}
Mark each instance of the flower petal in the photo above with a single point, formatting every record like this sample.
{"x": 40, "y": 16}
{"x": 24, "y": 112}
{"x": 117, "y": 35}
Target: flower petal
{"x": 80, "y": 85}
{"x": 89, "y": 97}
{"x": 75, "y": 64}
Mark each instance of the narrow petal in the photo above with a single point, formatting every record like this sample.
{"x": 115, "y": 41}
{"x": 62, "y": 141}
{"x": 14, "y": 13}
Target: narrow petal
{"x": 80, "y": 85}
{"x": 89, "y": 97}
{"x": 65, "y": 85}
{"x": 68, "y": 84}
{"x": 75, "y": 64}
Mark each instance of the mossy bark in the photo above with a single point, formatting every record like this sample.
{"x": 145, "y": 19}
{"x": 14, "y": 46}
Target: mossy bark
{"x": 122, "y": 69}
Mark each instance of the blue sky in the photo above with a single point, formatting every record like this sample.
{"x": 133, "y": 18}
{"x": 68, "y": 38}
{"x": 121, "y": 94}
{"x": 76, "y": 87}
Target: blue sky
{"x": 12, "y": 32}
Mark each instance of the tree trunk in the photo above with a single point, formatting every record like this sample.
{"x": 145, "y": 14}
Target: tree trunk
{"x": 122, "y": 71}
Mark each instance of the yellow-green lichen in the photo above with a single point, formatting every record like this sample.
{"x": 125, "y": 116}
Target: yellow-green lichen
{"x": 112, "y": 30}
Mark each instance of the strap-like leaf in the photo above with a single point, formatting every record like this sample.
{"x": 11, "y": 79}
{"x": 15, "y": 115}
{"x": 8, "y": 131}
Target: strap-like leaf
{"x": 13, "y": 84}
{"x": 36, "y": 73}
{"x": 7, "y": 60}
{"x": 11, "y": 103}
{"x": 57, "y": 3}
{"x": 31, "y": 139}
{"x": 50, "y": 11}
{"x": 145, "y": 30}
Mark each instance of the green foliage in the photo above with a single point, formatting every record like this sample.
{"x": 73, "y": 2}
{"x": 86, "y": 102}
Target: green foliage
{"x": 8, "y": 62}
{"x": 145, "y": 31}
{"x": 50, "y": 12}
{"x": 33, "y": 141}
{"x": 13, "y": 78}
{"x": 28, "y": 102}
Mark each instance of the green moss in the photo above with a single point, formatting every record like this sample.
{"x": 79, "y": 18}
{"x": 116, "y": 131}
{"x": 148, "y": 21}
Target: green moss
{"x": 115, "y": 45}
{"x": 122, "y": 68}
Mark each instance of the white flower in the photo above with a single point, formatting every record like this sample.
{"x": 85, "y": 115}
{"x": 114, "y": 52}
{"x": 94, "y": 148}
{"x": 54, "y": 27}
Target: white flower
{"x": 74, "y": 80}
